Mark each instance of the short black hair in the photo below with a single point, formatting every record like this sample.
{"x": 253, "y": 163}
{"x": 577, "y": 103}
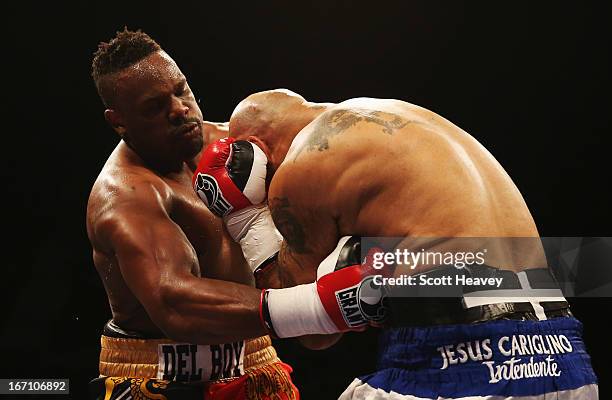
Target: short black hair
{"x": 125, "y": 49}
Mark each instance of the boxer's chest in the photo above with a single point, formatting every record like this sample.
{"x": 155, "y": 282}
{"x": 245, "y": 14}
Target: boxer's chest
{"x": 218, "y": 256}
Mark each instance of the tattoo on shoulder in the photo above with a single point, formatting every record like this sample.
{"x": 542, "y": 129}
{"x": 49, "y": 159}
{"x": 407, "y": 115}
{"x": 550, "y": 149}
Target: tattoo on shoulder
{"x": 338, "y": 121}
{"x": 287, "y": 224}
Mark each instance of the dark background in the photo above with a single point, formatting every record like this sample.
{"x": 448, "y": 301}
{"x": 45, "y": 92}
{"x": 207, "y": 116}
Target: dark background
{"x": 530, "y": 81}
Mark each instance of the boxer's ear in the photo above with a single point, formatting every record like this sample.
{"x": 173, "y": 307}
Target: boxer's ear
{"x": 114, "y": 120}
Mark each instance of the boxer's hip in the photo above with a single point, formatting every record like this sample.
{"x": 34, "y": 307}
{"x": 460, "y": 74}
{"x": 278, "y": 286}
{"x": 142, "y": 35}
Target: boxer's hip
{"x": 183, "y": 362}
{"x": 496, "y": 359}
{"x": 130, "y": 364}
{"x": 516, "y": 340}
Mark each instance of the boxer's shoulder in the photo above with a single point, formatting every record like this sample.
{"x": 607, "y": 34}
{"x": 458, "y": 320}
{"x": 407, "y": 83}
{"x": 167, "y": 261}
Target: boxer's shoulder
{"x": 214, "y": 130}
{"x": 354, "y": 126}
{"x": 122, "y": 193}
{"x": 124, "y": 184}
{"x": 322, "y": 152}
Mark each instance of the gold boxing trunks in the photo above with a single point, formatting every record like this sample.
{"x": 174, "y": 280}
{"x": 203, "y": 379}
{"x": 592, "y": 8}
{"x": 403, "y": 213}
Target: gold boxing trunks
{"x": 162, "y": 369}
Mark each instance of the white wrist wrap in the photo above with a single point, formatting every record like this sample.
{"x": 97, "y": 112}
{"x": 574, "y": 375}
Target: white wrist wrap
{"x": 298, "y": 311}
{"x": 254, "y": 229}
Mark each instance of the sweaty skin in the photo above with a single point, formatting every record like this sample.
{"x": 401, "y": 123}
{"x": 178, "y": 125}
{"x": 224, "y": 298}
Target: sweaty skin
{"x": 383, "y": 168}
{"x": 168, "y": 266}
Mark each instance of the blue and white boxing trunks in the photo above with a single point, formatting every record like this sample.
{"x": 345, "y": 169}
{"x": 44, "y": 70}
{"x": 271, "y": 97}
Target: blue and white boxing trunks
{"x": 526, "y": 360}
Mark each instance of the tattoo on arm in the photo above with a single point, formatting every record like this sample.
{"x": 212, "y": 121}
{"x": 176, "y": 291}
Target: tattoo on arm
{"x": 286, "y": 257}
{"x": 294, "y": 236}
{"x": 288, "y": 224}
{"x": 282, "y": 275}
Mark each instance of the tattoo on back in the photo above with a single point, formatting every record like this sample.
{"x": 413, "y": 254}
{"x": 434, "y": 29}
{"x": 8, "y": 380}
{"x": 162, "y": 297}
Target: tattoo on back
{"x": 338, "y": 121}
{"x": 288, "y": 224}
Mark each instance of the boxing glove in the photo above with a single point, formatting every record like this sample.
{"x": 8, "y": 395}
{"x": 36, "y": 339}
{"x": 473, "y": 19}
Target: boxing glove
{"x": 231, "y": 180}
{"x": 343, "y": 298}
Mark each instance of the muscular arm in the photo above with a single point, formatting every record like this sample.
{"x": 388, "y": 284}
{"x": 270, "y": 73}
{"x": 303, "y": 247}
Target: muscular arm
{"x": 157, "y": 263}
{"x": 302, "y": 249}
{"x": 309, "y": 236}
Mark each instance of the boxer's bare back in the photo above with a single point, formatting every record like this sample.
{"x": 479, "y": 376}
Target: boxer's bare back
{"x": 387, "y": 168}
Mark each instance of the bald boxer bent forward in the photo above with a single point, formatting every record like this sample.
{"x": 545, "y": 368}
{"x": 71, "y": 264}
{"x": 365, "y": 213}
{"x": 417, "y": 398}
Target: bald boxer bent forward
{"x": 386, "y": 168}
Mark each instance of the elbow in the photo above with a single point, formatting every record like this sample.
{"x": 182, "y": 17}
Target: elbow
{"x": 167, "y": 315}
{"x": 319, "y": 342}
{"x": 178, "y": 318}
{"x": 181, "y": 330}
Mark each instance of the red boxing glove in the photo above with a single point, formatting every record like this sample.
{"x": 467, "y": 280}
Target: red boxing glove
{"x": 231, "y": 180}
{"x": 350, "y": 297}
{"x": 342, "y": 300}
{"x": 231, "y": 176}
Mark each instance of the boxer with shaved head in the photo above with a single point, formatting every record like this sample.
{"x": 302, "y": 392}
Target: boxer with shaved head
{"x": 327, "y": 175}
